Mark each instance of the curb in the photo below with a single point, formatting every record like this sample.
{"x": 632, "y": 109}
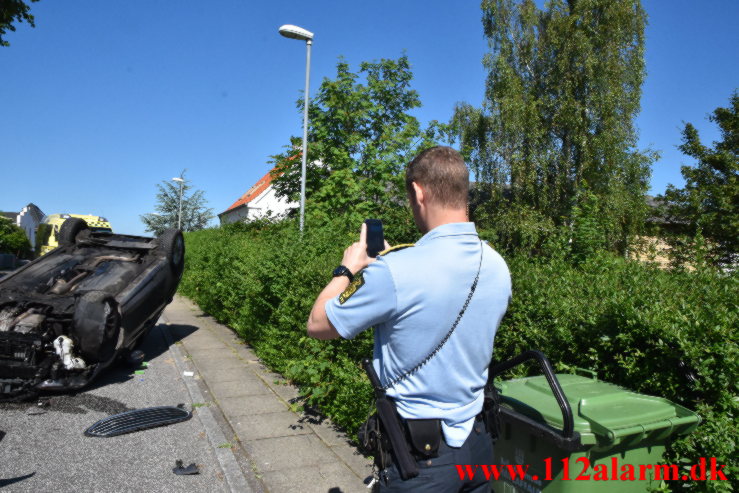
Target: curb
{"x": 232, "y": 472}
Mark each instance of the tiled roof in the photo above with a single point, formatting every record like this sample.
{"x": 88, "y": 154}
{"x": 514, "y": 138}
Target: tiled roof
{"x": 256, "y": 189}
{"x": 259, "y": 187}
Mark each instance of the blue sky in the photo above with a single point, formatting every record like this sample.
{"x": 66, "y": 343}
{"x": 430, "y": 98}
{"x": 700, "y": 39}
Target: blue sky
{"x": 103, "y": 100}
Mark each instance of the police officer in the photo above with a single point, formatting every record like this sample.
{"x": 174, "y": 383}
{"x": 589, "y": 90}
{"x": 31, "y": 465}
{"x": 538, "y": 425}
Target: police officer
{"x": 412, "y": 297}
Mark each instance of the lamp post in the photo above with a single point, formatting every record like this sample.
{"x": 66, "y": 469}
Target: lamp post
{"x": 179, "y": 212}
{"x": 295, "y": 32}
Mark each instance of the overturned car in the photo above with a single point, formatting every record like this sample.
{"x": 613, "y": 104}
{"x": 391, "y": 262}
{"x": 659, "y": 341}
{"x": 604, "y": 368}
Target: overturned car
{"x": 71, "y": 313}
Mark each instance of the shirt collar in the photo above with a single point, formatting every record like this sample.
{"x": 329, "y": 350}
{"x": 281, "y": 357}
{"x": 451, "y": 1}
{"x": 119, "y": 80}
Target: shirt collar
{"x": 449, "y": 229}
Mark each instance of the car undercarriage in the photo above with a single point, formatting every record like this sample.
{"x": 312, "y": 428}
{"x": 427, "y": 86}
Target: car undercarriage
{"x": 67, "y": 315}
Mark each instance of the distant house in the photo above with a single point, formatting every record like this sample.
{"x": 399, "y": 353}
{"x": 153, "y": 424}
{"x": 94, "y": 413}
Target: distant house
{"x": 28, "y": 220}
{"x": 9, "y": 215}
{"x": 258, "y": 202}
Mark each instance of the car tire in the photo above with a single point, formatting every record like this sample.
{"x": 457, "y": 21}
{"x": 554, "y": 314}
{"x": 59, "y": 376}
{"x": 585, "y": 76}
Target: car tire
{"x": 172, "y": 246}
{"x": 69, "y": 230}
{"x": 97, "y": 324}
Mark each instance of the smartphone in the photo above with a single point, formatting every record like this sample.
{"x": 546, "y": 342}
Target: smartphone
{"x": 375, "y": 237}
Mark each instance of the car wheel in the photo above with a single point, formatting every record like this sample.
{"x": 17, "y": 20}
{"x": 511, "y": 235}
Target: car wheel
{"x": 172, "y": 245}
{"x": 69, "y": 230}
{"x": 96, "y": 326}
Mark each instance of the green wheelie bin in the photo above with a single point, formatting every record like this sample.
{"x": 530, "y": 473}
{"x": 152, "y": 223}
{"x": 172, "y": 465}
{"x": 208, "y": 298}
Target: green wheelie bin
{"x": 569, "y": 433}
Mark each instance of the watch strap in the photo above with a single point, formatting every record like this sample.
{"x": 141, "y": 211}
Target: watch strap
{"x": 342, "y": 270}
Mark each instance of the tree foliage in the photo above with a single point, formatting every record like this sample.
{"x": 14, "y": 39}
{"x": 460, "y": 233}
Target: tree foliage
{"x": 556, "y": 127}
{"x": 360, "y": 137}
{"x": 13, "y": 239}
{"x": 706, "y": 209}
{"x": 195, "y": 215}
{"x": 13, "y": 11}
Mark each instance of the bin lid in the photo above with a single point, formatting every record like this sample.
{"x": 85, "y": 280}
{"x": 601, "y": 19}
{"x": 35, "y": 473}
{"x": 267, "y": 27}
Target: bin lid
{"x": 603, "y": 409}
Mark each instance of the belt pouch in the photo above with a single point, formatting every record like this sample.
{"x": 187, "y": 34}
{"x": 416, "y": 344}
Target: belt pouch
{"x": 425, "y": 436}
{"x": 370, "y": 435}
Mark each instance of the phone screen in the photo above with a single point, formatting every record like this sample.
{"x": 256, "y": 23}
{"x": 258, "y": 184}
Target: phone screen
{"x": 375, "y": 237}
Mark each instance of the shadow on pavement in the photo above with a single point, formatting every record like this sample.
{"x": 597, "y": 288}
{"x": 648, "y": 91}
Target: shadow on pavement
{"x": 180, "y": 331}
{"x": 153, "y": 344}
{"x": 8, "y": 482}
{"x": 75, "y": 403}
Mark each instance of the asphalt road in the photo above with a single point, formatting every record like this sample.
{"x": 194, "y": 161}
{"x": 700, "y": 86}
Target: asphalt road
{"x": 45, "y": 449}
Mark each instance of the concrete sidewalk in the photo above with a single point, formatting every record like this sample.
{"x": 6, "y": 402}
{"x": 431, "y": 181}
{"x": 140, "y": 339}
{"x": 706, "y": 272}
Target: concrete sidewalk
{"x": 288, "y": 450}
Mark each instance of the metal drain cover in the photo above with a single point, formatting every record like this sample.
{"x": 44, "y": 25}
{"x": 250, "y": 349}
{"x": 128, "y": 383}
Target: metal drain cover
{"x": 138, "y": 419}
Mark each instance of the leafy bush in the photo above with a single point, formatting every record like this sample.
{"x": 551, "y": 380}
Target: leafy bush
{"x": 262, "y": 280}
{"x": 13, "y": 239}
{"x": 635, "y": 325}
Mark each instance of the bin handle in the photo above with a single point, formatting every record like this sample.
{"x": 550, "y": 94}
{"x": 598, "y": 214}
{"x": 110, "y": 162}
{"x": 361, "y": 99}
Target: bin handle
{"x": 590, "y": 373}
{"x": 568, "y": 425}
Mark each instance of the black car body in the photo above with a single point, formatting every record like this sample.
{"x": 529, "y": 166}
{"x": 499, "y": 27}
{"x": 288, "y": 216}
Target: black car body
{"x": 71, "y": 313}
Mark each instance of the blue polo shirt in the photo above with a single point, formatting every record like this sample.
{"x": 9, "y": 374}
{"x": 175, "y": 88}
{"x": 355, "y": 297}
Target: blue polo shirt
{"x": 412, "y": 298}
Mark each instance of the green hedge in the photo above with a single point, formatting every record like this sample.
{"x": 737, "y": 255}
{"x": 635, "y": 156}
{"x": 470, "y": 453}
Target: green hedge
{"x": 635, "y": 325}
{"x": 262, "y": 281}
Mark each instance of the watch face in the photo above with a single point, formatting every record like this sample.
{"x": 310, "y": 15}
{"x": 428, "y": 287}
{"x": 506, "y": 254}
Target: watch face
{"x": 343, "y": 271}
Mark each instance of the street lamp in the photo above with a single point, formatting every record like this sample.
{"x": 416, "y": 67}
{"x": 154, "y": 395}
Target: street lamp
{"x": 179, "y": 213}
{"x": 295, "y": 32}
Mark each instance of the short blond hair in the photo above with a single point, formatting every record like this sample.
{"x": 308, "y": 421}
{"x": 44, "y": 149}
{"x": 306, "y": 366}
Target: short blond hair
{"x": 442, "y": 173}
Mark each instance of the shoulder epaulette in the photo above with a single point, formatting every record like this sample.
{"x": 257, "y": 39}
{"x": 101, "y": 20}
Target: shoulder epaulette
{"x": 396, "y": 248}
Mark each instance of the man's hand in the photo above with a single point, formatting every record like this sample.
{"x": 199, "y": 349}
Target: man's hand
{"x": 355, "y": 259}
{"x": 355, "y": 256}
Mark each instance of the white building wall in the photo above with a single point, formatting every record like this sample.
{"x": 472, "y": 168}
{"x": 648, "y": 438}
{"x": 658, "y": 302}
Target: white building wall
{"x": 28, "y": 220}
{"x": 267, "y": 203}
{"x": 236, "y": 215}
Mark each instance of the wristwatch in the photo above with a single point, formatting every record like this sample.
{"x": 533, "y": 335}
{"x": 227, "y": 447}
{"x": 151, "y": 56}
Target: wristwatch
{"x": 343, "y": 271}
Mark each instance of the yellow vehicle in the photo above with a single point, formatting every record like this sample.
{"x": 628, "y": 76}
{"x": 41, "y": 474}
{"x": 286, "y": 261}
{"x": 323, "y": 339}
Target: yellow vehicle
{"x": 46, "y": 235}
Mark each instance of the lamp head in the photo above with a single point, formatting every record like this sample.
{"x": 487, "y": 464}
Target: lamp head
{"x": 295, "y": 32}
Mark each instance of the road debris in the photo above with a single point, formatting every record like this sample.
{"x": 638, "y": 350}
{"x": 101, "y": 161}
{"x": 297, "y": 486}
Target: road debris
{"x": 138, "y": 419}
{"x": 185, "y": 471}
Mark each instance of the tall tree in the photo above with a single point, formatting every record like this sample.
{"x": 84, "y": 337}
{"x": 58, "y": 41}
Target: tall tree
{"x": 13, "y": 11}
{"x": 361, "y": 136}
{"x": 708, "y": 205}
{"x": 556, "y": 126}
{"x": 194, "y": 214}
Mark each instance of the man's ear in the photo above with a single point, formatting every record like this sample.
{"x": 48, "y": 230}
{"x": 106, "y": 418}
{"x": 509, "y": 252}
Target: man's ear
{"x": 418, "y": 193}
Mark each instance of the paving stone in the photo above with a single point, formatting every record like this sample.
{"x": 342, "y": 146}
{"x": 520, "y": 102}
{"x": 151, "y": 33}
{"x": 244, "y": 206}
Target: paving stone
{"x": 230, "y": 375}
{"x": 274, "y": 454}
{"x": 250, "y": 405}
{"x": 328, "y": 433}
{"x": 269, "y": 425}
{"x": 246, "y": 353}
{"x": 359, "y": 464}
{"x": 217, "y": 328}
{"x": 266, "y": 374}
{"x": 289, "y": 393}
{"x": 213, "y": 360}
{"x": 180, "y": 331}
{"x": 323, "y": 478}
{"x": 202, "y": 342}
{"x": 244, "y": 387}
